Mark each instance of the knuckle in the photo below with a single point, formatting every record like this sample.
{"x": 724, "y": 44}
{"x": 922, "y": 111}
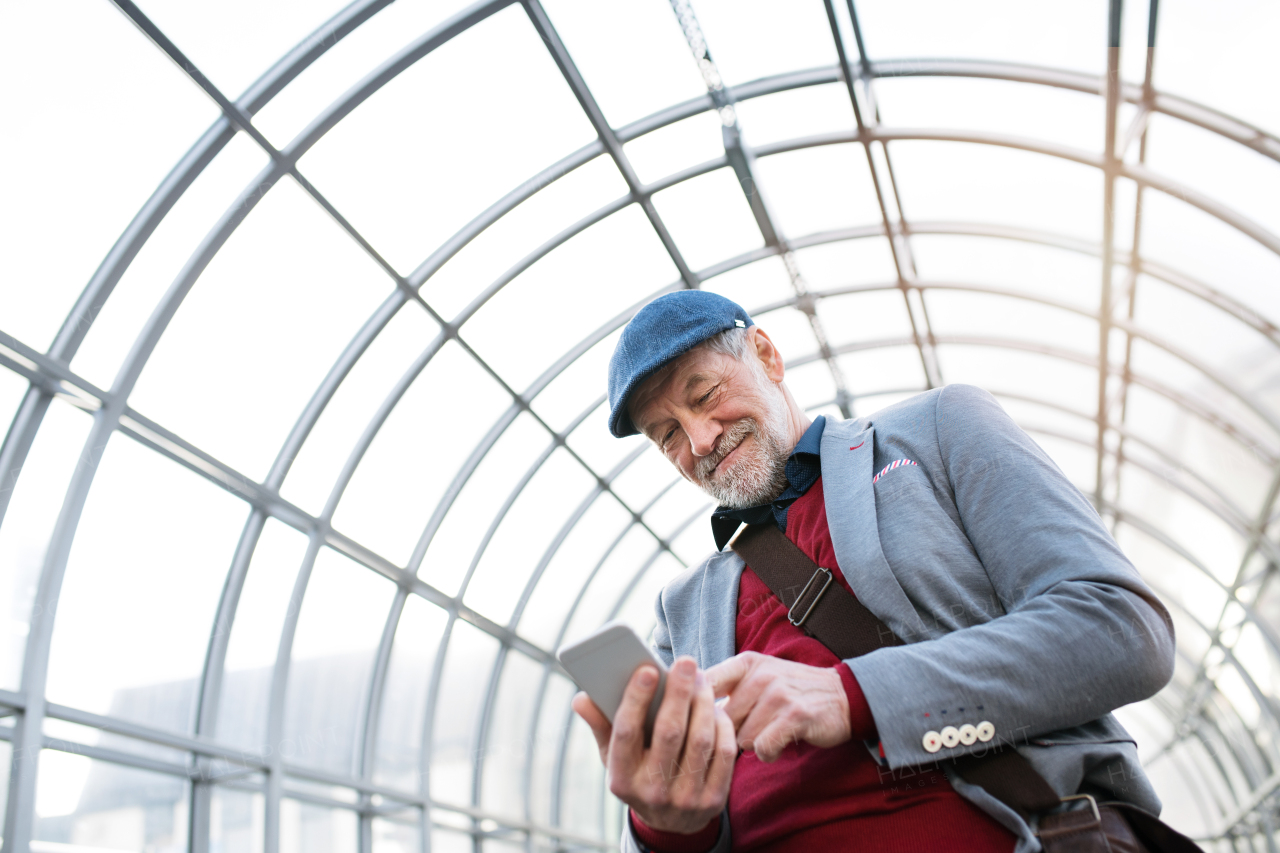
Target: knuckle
{"x": 669, "y": 738}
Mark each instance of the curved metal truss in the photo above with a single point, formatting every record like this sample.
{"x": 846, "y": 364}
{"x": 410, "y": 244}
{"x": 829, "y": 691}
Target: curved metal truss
{"x": 1225, "y": 755}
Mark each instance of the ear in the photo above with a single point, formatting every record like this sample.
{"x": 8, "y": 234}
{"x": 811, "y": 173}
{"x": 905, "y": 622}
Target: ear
{"x": 770, "y": 357}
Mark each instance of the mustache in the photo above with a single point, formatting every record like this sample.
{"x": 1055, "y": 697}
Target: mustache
{"x": 728, "y": 442}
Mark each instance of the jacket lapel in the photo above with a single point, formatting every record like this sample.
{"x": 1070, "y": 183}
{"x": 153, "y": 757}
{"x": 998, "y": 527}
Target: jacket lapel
{"x": 717, "y": 629}
{"x": 848, "y": 458}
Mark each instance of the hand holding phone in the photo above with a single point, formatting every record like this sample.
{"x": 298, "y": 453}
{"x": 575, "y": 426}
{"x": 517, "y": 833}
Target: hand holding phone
{"x": 678, "y": 779}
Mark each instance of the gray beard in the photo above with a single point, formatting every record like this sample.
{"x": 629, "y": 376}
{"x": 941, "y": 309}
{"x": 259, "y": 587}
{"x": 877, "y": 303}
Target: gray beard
{"x": 759, "y": 475}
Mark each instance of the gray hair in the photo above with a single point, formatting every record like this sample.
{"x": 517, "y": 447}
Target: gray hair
{"x": 731, "y": 342}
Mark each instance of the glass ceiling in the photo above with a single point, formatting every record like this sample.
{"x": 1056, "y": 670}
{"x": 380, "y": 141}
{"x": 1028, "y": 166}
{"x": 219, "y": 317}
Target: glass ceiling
{"x": 303, "y": 329}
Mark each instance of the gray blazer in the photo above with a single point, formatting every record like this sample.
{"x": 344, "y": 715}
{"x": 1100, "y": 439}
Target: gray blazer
{"x": 1017, "y": 606}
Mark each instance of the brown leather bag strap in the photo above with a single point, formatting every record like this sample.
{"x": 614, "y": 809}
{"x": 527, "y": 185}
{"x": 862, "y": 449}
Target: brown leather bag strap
{"x": 818, "y": 603}
{"x": 844, "y": 625}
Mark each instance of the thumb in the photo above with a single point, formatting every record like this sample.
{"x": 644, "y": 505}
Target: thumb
{"x": 724, "y": 676}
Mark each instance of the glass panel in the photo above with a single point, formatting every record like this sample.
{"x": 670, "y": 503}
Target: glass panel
{"x": 343, "y": 614}
{"x": 811, "y": 384}
{"x": 891, "y": 368}
{"x": 1200, "y": 533}
{"x": 462, "y": 172}
{"x": 644, "y": 479}
{"x": 404, "y": 697}
{"x": 848, "y": 198}
{"x": 1231, "y": 44}
{"x": 709, "y": 218}
{"x": 870, "y": 316}
{"x": 454, "y": 546}
{"x": 1059, "y": 116}
{"x": 346, "y": 63}
{"x": 306, "y": 828}
{"x": 755, "y": 285}
{"x": 1210, "y": 336}
{"x": 236, "y": 821}
{"x": 754, "y": 39}
{"x": 979, "y": 183}
{"x": 1198, "y": 245}
{"x": 1057, "y": 274}
{"x": 954, "y": 312}
{"x": 790, "y": 332}
{"x": 107, "y": 115}
{"x": 530, "y": 527}
{"x": 1025, "y": 373}
{"x": 255, "y": 636}
{"x": 135, "y": 574}
{"x": 674, "y": 509}
{"x": 508, "y": 740}
{"x": 458, "y": 703}
{"x": 308, "y": 288}
{"x": 33, "y": 509}
{"x": 1221, "y": 169}
{"x": 553, "y": 723}
{"x": 162, "y": 258}
{"x": 72, "y": 737}
{"x": 596, "y": 445}
{"x": 318, "y": 464}
{"x": 1174, "y": 373}
{"x": 633, "y": 56}
{"x": 578, "y": 286}
{"x": 797, "y": 113}
{"x": 582, "y": 788}
{"x": 404, "y": 472}
{"x": 867, "y": 260}
{"x": 13, "y": 388}
{"x": 508, "y": 241}
{"x": 1002, "y": 29}
{"x": 235, "y": 42}
{"x": 396, "y": 836}
{"x": 669, "y": 149}
{"x": 93, "y": 804}
{"x": 578, "y": 386}
{"x": 602, "y": 593}
{"x": 543, "y": 618}
{"x": 6, "y": 754}
{"x": 637, "y": 608}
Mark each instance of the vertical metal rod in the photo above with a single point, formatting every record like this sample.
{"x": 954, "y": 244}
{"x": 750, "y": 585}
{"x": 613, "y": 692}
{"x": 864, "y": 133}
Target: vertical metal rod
{"x": 1105, "y": 308}
{"x": 890, "y": 232}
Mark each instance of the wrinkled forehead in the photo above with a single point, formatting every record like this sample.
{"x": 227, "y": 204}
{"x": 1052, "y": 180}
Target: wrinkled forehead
{"x": 669, "y": 384}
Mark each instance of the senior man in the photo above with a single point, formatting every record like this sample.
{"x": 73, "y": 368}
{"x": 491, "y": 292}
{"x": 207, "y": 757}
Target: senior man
{"x": 1021, "y": 624}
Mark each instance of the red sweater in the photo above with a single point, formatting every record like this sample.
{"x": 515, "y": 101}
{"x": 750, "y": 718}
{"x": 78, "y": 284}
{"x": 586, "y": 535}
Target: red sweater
{"x": 829, "y": 799}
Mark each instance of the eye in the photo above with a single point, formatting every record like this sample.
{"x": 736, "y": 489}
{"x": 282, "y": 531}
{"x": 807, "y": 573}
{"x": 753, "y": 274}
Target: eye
{"x": 707, "y": 396}
{"x": 667, "y": 438}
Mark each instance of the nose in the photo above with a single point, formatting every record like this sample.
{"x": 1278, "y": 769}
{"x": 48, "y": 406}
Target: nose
{"x": 704, "y": 435}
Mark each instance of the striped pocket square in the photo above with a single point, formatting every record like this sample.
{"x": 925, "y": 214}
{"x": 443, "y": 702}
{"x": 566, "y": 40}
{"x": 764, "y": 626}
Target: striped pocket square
{"x": 894, "y": 464}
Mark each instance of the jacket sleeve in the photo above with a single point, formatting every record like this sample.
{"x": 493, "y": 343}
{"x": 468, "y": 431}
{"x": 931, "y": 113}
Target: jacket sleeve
{"x": 1081, "y": 634}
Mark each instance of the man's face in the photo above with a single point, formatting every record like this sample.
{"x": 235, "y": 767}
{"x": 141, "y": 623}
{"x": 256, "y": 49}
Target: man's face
{"x": 722, "y": 422}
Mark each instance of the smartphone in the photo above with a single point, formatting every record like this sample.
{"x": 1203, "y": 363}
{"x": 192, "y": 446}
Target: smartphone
{"x": 603, "y": 662}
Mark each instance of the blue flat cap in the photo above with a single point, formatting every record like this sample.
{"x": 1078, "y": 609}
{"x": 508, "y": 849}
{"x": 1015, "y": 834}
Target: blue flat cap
{"x": 667, "y": 327}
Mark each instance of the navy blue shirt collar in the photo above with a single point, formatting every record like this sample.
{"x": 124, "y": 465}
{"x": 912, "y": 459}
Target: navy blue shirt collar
{"x": 804, "y": 466}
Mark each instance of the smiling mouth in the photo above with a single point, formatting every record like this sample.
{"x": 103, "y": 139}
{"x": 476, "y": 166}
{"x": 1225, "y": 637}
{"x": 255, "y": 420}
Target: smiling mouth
{"x": 732, "y": 454}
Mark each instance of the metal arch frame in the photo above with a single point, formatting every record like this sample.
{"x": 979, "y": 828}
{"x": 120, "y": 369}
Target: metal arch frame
{"x": 202, "y": 463}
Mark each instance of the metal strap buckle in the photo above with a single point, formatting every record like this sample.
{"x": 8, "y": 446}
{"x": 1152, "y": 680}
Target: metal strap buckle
{"x": 1093, "y": 804}
{"x": 826, "y": 583}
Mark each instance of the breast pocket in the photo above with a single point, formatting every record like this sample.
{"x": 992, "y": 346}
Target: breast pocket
{"x": 929, "y": 554}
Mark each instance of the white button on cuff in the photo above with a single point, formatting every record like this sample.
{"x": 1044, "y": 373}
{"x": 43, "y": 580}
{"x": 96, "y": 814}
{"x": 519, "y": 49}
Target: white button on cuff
{"x": 950, "y": 737}
{"x": 968, "y": 735}
{"x": 985, "y": 731}
{"x": 932, "y": 741}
